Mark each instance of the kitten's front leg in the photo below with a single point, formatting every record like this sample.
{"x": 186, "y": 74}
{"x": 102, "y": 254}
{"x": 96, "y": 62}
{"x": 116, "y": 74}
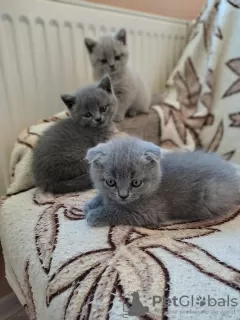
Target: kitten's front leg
{"x": 112, "y": 215}
{"x": 108, "y": 215}
{"x": 119, "y": 116}
{"x": 132, "y": 112}
{"x": 121, "y": 111}
{"x": 93, "y": 203}
{"x": 98, "y": 217}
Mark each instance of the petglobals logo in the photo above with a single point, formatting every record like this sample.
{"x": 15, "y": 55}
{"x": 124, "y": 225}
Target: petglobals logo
{"x": 197, "y": 301}
{"x": 183, "y": 305}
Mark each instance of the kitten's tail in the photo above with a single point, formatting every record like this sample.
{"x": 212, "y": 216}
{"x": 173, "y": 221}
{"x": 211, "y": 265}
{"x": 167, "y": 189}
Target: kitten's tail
{"x": 80, "y": 183}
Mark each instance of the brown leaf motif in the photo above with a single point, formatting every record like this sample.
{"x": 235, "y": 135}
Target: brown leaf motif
{"x": 46, "y": 230}
{"x": 27, "y": 289}
{"x": 207, "y": 21}
{"x": 233, "y": 65}
{"x": 128, "y": 264}
{"x": 210, "y": 28}
{"x": 218, "y": 33}
{"x": 235, "y": 118}
{"x": 207, "y": 97}
{"x": 235, "y": 3}
{"x": 28, "y": 138}
{"x": 26, "y": 292}
{"x": 217, "y": 138}
{"x": 228, "y": 155}
{"x": 187, "y": 120}
{"x": 188, "y": 89}
{"x": 96, "y": 275}
{"x": 187, "y": 85}
{"x": 210, "y": 78}
{"x": 206, "y": 100}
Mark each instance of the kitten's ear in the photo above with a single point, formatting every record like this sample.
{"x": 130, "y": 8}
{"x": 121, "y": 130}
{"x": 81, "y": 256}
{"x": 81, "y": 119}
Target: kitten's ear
{"x": 122, "y": 36}
{"x": 105, "y": 84}
{"x": 69, "y": 100}
{"x": 96, "y": 154}
{"x": 152, "y": 153}
{"x": 90, "y": 44}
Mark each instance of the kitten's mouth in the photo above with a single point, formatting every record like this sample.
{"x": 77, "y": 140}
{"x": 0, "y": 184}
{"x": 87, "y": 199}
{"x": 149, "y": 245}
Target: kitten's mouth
{"x": 100, "y": 124}
{"x": 113, "y": 71}
{"x": 124, "y": 201}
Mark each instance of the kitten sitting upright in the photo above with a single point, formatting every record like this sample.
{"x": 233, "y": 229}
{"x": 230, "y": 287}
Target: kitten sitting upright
{"x": 109, "y": 55}
{"x": 58, "y": 159}
{"x": 138, "y": 187}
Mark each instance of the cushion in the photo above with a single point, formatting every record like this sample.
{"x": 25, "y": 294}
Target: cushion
{"x": 62, "y": 269}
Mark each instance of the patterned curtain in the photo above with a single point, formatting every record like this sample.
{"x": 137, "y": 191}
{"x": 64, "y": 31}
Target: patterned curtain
{"x": 201, "y": 106}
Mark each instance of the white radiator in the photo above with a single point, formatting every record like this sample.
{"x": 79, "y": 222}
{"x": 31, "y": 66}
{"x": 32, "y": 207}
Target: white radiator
{"x": 42, "y": 55}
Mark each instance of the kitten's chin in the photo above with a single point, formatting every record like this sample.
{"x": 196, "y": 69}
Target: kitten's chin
{"x": 125, "y": 201}
{"x": 113, "y": 73}
{"x": 116, "y": 73}
{"x": 104, "y": 124}
{"x": 100, "y": 125}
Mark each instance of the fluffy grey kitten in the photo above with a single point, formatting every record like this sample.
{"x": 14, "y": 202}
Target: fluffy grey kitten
{"x": 139, "y": 187}
{"x": 109, "y": 55}
{"x": 59, "y": 164}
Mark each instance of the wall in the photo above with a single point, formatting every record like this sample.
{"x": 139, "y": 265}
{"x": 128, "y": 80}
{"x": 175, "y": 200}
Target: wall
{"x": 183, "y": 9}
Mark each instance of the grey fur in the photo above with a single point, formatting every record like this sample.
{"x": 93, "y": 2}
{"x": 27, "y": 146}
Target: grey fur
{"x": 59, "y": 164}
{"x": 109, "y": 55}
{"x": 179, "y": 186}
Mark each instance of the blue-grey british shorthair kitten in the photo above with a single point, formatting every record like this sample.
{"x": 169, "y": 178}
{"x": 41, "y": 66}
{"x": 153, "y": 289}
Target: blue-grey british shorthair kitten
{"x": 137, "y": 186}
{"x": 109, "y": 55}
{"x": 59, "y": 164}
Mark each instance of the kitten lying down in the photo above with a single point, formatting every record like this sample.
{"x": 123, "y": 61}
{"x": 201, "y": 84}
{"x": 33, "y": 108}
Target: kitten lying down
{"x": 137, "y": 186}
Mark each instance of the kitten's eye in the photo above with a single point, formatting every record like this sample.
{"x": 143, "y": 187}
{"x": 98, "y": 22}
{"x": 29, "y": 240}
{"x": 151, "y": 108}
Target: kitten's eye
{"x": 88, "y": 115}
{"x": 110, "y": 182}
{"x": 104, "y": 60}
{"x": 117, "y": 57}
{"x": 103, "y": 109}
{"x": 136, "y": 183}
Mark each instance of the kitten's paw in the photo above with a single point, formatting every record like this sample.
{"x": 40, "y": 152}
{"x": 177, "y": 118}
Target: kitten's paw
{"x": 87, "y": 207}
{"x": 95, "y": 202}
{"x": 132, "y": 112}
{"x": 94, "y": 218}
{"x": 118, "y": 118}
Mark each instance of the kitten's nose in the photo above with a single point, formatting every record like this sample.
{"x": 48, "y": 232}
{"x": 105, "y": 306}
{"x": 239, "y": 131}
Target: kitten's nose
{"x": 98, "y": 119}
{"x": 123, "y": 196}
{"x": 112, "y": 66}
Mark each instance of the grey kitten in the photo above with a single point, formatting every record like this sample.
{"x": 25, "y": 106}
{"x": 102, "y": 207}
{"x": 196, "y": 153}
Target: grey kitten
{"x": 139, "y": 187}
{"x": 109, "y": 55}
{"x": 59, "y": 164}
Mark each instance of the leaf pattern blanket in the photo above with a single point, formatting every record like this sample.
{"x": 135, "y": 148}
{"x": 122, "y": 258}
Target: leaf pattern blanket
{"x": 201, "y": 105}
{"x": 62, "y": 269}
